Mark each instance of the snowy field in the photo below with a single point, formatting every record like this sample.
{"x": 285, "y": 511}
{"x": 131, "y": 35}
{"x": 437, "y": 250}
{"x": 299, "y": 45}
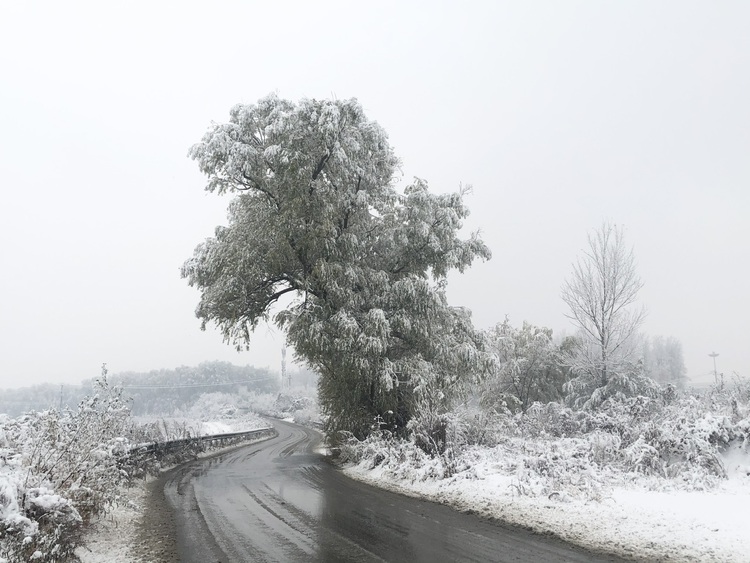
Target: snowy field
{"x": 642, "y": 519}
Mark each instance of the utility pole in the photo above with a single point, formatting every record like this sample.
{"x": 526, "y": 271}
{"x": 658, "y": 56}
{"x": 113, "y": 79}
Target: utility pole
{"x": 713, "y": 355}
{"x": 283, "y": 367}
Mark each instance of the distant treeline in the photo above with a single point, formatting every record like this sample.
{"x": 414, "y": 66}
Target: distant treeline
{"x": 156, "y": 392}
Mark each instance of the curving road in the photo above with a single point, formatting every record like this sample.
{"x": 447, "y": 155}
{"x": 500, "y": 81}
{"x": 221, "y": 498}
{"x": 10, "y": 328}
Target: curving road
{"x": 278, "y": 500}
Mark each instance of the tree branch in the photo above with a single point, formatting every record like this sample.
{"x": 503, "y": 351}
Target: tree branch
{"x": 321, "y": 165}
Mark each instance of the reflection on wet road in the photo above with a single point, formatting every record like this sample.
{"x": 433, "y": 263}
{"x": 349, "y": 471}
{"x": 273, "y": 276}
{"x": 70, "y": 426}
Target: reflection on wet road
{"x": 280, "y": 501}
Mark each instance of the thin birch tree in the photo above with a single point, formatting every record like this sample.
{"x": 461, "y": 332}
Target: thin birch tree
{"x": 601, "y": 294}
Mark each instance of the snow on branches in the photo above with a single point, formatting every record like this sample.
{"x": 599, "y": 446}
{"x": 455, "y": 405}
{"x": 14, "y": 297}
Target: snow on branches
{"x": 358, "y": 268}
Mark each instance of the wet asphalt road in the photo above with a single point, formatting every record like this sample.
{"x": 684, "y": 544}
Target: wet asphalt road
{"x": 280, "y": 501}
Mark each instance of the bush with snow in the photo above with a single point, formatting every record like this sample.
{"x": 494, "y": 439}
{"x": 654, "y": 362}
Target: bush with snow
{"x": 662, "y": 443}
{"x": 57, "y": 471}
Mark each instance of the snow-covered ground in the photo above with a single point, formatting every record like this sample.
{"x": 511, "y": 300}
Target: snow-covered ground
{"x": 111, "y": 538}
{"x": 642, "y": 519}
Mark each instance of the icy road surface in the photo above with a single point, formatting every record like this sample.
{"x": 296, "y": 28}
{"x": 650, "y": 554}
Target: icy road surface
{"x": 278, "y": 500}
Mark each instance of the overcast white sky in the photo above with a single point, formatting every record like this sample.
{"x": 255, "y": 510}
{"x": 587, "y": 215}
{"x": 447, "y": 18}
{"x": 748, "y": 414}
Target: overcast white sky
{"x": 561, "y": 114}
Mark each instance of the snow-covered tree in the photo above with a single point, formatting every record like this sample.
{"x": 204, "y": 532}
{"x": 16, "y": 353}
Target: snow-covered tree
{"x": 527, "y": 367}
{"x": 361, "y": 267}
{"x": 601, "y": 294}
{"x": 663, "y": 360}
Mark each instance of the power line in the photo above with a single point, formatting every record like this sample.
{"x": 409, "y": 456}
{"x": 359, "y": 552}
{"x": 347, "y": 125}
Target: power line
{"x": 168, "y": 386}
{"x": 193, "y": 385}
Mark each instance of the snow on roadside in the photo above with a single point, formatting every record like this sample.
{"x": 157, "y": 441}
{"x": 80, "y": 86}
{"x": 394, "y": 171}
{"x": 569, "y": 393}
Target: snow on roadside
{"x": 629, "y": 520}
{"x": 110, "y": 538}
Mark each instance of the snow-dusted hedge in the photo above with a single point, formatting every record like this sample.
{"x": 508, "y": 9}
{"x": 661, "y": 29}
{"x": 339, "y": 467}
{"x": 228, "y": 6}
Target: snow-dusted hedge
{"x": 683, "y": 439}
{"x": 665, "y": 442}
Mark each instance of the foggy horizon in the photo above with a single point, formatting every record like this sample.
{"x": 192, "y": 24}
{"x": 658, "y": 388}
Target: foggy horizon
{"x": 561, "y": 117}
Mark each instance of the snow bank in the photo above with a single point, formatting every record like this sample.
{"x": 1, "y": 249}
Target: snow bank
{"x": 639, "y": 517}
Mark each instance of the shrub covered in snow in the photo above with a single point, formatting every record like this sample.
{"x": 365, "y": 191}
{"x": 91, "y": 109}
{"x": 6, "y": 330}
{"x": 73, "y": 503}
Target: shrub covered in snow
{"x": 668, "y": 442}
{"x": 57, "y": 471}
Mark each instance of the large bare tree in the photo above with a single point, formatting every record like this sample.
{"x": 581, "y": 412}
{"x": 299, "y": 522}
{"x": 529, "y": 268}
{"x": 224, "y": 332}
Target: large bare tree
{"x": 601, "y": 294}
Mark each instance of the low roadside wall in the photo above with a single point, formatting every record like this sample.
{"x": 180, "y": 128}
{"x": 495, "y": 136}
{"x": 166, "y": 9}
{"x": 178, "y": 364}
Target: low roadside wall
{"x": 178, "y": 451}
